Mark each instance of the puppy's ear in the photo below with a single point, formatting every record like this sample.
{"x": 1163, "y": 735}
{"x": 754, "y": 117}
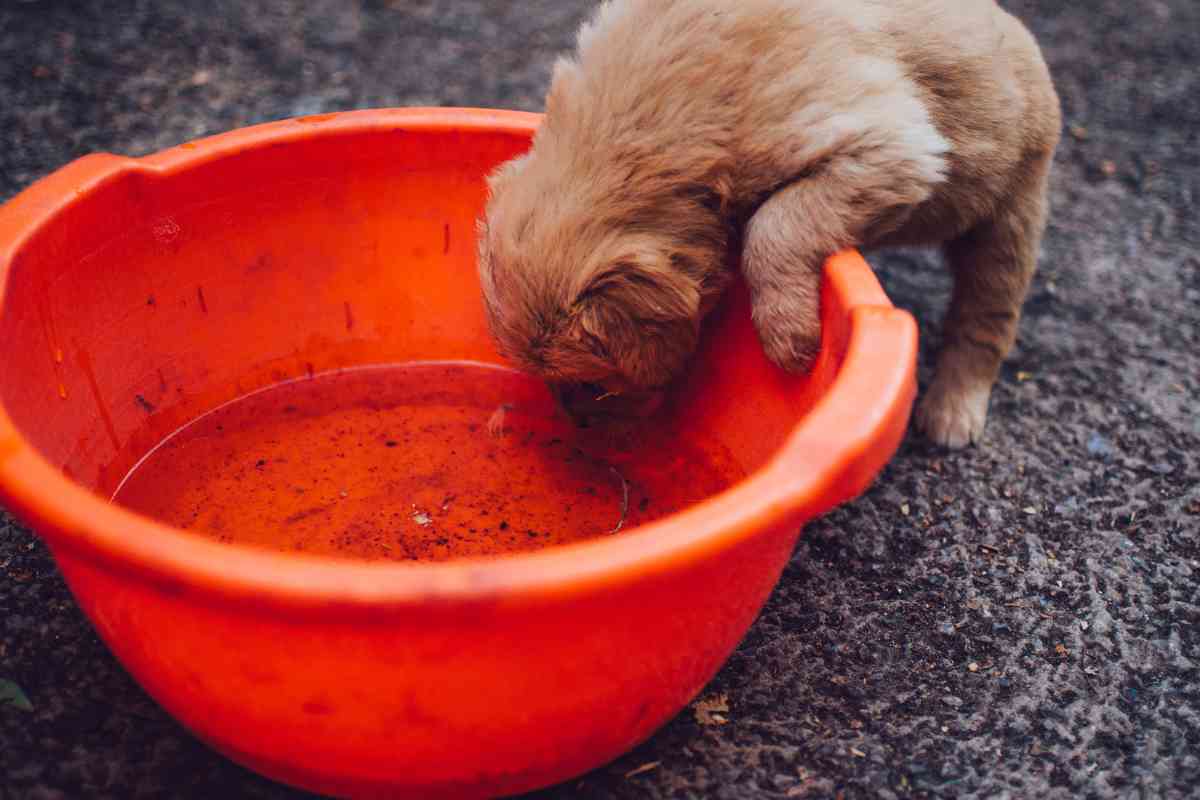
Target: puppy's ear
{"x": 562, "y": 82}
{"x": 506, "y": 172}
{"x": 640, "y": 317}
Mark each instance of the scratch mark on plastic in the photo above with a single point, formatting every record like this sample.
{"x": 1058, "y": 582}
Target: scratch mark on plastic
{"x": 50, "y": 332}
{"x": 85, "y": 364}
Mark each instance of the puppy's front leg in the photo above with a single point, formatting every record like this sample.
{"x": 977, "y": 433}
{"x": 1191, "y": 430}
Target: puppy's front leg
{"x": 790, "y": 236}
{"x": 781, "y": 262}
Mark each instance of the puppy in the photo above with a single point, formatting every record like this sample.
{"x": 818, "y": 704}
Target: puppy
{"x": 786, "y": 130}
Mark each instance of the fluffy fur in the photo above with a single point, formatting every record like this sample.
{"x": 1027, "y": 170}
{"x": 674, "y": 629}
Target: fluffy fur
{"x": 683, "y": 134}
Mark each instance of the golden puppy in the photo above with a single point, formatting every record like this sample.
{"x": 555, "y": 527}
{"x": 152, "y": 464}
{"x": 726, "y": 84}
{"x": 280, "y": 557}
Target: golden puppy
{"x": 788, "y": 129}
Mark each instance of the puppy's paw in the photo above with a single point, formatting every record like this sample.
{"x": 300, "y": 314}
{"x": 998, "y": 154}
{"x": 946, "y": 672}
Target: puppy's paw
{"x": 953, "y": 416}
{"x": 790, "y": 342}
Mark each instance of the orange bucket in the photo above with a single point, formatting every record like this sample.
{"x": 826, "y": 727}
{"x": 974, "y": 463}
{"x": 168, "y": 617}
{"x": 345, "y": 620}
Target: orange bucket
{"x": 138, "y": 294}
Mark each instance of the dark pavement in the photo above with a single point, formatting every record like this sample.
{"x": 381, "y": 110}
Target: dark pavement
{"x": 1018, "y": 620}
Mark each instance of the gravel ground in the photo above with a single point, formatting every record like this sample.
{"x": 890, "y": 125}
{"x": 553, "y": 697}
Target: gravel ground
{"x": 1019, "y": 620}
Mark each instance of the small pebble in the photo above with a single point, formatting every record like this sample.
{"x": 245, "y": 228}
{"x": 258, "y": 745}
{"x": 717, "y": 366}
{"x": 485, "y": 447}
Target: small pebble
{"x": 1069, "y": 506}
{"x": 1098, "y": 446}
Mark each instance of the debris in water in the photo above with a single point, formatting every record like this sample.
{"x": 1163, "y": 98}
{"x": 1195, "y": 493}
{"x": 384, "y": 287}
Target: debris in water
{"x": 495, "y": 423}
{"x": 624, "y": 500}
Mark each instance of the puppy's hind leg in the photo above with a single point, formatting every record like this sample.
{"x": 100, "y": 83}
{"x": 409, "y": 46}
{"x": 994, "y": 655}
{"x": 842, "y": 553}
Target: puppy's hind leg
{"x": 993, "y": 265}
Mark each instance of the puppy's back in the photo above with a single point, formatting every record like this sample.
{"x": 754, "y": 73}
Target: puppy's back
{"x": 743, "y": 95}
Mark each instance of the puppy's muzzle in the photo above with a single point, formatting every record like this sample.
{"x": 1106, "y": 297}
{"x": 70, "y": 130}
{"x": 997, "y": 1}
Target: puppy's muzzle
{"x": 588, "y": 404}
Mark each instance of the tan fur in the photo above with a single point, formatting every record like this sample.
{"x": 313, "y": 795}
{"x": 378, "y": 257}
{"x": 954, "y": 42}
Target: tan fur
{"x": 784, "y": 130}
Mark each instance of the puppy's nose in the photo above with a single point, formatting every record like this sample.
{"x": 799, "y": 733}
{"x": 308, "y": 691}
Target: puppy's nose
{"x": 576, "y": 400}
{"x": 588, "y": 403}
{"x": 590, "y": 392}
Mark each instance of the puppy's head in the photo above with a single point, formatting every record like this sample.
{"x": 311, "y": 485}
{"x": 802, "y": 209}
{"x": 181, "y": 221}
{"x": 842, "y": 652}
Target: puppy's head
{"x": 599, "y": 309}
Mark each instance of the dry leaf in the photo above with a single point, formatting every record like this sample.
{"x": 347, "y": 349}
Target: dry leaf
{"x": 12, "y": 694}
{"x": 709, "y": 711}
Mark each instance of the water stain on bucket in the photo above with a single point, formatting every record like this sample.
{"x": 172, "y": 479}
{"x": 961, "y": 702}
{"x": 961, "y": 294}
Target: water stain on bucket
{"x": 399, "y": 463}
